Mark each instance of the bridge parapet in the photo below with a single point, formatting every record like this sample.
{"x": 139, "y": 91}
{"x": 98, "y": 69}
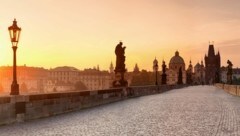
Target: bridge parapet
{"x": 232, "y": 89}
{"x": 26, "y": 107}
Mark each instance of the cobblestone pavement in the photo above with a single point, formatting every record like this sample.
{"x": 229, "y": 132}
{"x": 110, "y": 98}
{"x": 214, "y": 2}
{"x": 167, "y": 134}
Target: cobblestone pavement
{"x": 191, "y": 111}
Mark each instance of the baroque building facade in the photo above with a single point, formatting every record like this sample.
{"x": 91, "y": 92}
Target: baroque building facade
{"x": 95, "y": 79}
{"x": 61, "y": 79}
{"x": 64, "y": 74}
{"x": 199, "y": 74}
{"x": 190, "y": 73}
{"x": 176, "y": 63}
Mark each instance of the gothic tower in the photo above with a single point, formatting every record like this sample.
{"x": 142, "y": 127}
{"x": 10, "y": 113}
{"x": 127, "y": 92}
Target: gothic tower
{"x": 212, "y": 64}
{"x": 136, "y": 69}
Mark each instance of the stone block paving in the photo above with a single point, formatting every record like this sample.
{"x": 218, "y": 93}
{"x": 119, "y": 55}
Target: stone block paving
{"x": 191, "y": 111}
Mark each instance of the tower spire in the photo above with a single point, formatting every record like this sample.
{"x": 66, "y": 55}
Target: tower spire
{"x": 211, "y": 51}
{"x": 111, "y": 68}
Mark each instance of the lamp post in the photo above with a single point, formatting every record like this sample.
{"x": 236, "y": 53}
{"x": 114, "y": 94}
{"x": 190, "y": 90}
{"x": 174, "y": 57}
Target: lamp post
{"x": 155, "y": 68}
{"x": 14, "y": 32}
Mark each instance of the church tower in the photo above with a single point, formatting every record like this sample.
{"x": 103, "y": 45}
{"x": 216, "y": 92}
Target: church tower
{"x": 212, "y": 65}
{"x": 111, "y": 68}
{"x": 189, "y": 73}
{"x": 136, "y": 69}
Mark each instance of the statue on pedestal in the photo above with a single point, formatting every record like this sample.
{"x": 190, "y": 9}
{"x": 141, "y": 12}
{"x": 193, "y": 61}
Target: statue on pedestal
{"x": 120, "y": 66}
{"x": 164, "y": 75}
{"x": 229, "y": 72}
{"x": 180, "y": 81}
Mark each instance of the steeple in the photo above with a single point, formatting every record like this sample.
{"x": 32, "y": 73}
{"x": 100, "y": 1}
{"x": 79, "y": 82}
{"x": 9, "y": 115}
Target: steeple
{"x": 218, "y": 53}
{"x": 111, "y": 68}
{"x": 155, "y": 61}
{"x": 190, "y": 63}
{"x": 136, "y": 68}
{"x": 190, "y": 66}
{"x": 155, "y": 64}
{"x": 211, "y": 51}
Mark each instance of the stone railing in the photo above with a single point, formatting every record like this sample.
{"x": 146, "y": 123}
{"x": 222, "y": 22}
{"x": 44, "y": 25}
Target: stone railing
{"x": 26, "y": 107}
{"x": 232, "y": 89}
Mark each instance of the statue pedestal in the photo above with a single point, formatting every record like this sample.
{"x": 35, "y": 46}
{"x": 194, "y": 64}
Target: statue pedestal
{"x": 229, "y": 79}
{"x": 164, "y": 79}
{"x": 119, "y": 80}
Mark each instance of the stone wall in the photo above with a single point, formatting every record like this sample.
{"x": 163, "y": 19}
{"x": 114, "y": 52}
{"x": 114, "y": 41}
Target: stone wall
{"x": 232, "y": 89}
{"x": 27, "y": 107}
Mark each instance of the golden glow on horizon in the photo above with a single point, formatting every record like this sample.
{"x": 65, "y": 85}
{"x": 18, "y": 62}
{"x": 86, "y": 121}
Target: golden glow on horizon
{"x": 84, "y": 34}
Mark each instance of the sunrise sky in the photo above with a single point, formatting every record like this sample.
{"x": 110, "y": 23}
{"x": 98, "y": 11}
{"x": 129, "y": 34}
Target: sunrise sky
{"x": 84, "y": 33}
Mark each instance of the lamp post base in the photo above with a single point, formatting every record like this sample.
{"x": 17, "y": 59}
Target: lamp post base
{"x": 14, "y": 89}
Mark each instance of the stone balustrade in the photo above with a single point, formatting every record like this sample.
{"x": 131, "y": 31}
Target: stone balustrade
{"x": 33, "y": 106}
{"x": 232, "y": 89}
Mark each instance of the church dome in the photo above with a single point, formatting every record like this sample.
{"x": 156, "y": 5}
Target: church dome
{"x": 177, "y": 59}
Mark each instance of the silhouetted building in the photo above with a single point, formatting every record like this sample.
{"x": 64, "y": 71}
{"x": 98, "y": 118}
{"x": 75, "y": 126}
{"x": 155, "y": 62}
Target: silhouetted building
{"x": 30, "y": 79}
{"x": 58, "y": 86}
{"x": 64, "y": 74}
{"x": 136, "y": 69}
{"x": 223, "y": 74}
{"x": 94, "y": 79}
{"x": 235, "y": 75}
{"x": 212, "y": 64}
{"x": 189, "y": 73}
{"x": 143, "y": 78}
{"x": 61, "y": 79}
{"x": 199, "y": 74}
{"x": 175, "y": 64}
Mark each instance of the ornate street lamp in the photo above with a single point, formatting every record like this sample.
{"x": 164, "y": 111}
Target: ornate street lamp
{"x": 155, "y": 68}
{"x": 14, "y": 32}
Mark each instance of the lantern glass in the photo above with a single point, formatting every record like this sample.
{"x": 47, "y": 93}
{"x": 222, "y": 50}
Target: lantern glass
{"x": 14, "y": 32}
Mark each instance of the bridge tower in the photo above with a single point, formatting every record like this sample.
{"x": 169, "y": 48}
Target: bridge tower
{"x": 212, "y": 64}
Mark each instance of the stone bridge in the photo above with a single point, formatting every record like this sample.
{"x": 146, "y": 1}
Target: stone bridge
{"x": 189, "y": 111}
